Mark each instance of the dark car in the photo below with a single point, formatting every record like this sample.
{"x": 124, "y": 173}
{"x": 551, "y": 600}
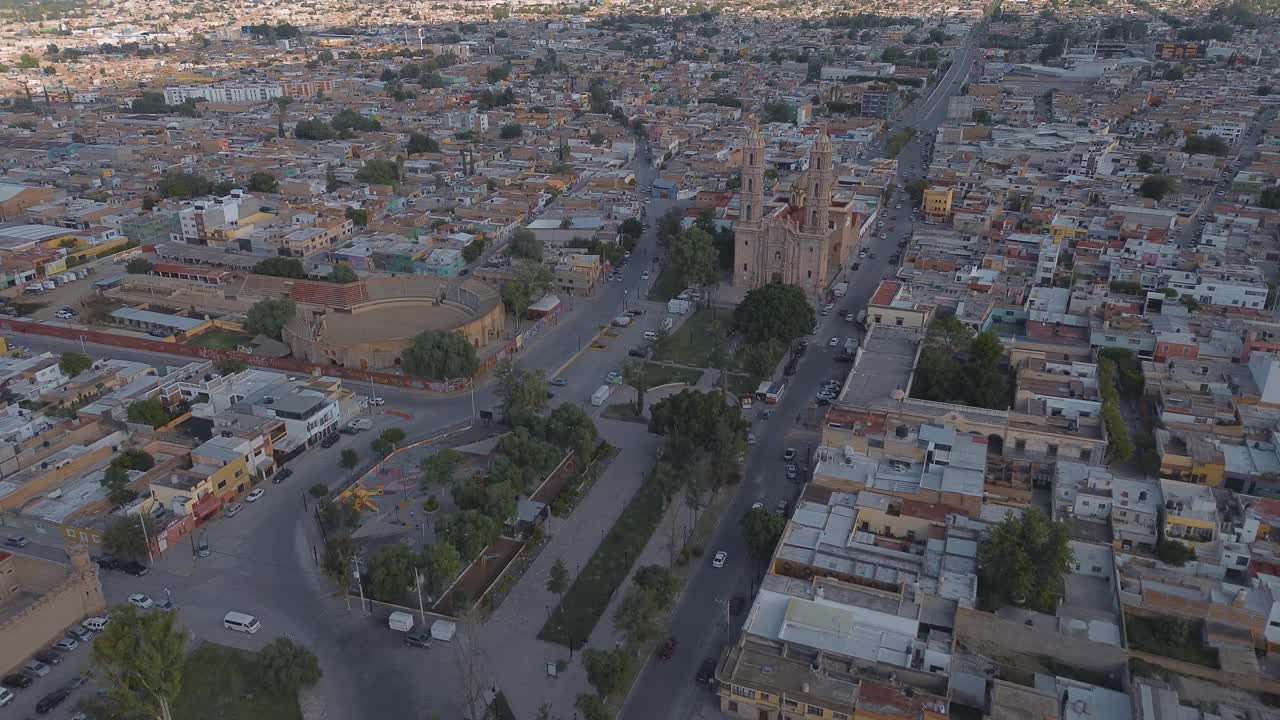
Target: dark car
{"x": 52, "y": 700}
{"x": 135, "y": 568}
{"x": 284, "y": 474}
{"x": 637, "y": 352}
{"x": 49, "y": 657}
{"x": 329, "y": 441}
{"x": 706, "y": 671}
{"x": 667, "y": 648}
{"x": 106, "y": 562}
{"x": 17, "y": 541}
{"x": 16, "y": 680}
{"x": 418, "y": 640}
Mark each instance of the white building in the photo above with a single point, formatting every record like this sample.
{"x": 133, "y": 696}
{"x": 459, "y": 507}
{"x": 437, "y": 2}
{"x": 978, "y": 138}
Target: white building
{"x": 308, "y": 415}
{"x": 258, "y": 92}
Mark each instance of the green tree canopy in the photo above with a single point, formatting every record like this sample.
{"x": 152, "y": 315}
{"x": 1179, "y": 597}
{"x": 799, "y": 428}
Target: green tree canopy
{"x": 1145, "y": 162}
{"x": 774, "y": 312}
{"x": 229, "y": 367}
{"x": 286, "y": 667}
{"x": 139, "y": 266}
{"x": 1157, "y": 186}
{"x": 183, "y": 185}
{"x": 391, "y": 572}
{"x": 343, "y": 273}
{"x": 125, "y": 537}
{"x": 523, "y": 393}
{"x": 147, "y": 412}
{"x": 632, "y": 228}
{"x": 1023, "y": 562}
{"x": 694, "y": 255}
{"x": 74, "y": 363}
{"x": 419, "y": 143}
{"x": 1206, "y": 145}
{"x": 443, "y": 564}
{"x": 313, "y": 129}
{"x": 281, "y": 267}
{"x": 438, "y": 470}
{"x": 470, "y": 531}
{"x": 379, "y": 172}
{"x": 524, "y": 244}
{"x": 571, "y": 428}
{"x": 440, "y": 355}
{"x": 761, "y": 530}
{"x": 348, "y": 459}
{"x": 140, "y": 658}
{"x": 607, "y": 670}
{"x": 269, "y": 316}
{"x": 263, "y": 182}
{"x": 511, "y": 131}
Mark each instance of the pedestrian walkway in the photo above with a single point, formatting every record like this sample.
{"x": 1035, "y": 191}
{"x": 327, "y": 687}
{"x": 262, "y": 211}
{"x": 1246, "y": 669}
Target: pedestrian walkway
{"x": 514, "y": 656}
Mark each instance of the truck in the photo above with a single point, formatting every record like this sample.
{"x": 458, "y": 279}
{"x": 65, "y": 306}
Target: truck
{"x": 678, "y": 307}
{"x": 850, "y": 346}
{"x": 400, "y": 620}
{"x": 775, "y": 392}
{"x": 600, "y": 395}
{"x": 622, "y": 321}
{"x": 862, "y": 316}
{"x": 840, "y": 289}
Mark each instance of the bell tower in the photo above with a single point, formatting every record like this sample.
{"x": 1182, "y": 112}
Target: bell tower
{"x": 753, "y": 177}
{"x": 821, "y": 177}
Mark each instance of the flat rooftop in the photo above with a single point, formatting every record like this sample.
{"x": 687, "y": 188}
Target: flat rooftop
{"x": 884, "y": 364}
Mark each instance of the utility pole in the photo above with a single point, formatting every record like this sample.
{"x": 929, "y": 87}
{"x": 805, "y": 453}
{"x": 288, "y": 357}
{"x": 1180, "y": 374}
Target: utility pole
{"x": 142, "y": 520}
{"x": 355, "y": 569}
{"x": 417, "y": 581}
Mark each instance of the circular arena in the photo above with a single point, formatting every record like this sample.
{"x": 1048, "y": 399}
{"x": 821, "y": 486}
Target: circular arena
{"x": 367, "y": 324}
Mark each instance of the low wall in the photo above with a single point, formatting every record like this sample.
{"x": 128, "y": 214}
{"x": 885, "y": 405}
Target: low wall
{"x": 74, "y": 597}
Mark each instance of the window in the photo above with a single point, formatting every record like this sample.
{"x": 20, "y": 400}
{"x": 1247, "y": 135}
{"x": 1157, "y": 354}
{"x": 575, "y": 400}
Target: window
{"x": 1019, "y": 444}
{"x": 744, "y": 267}
{"x": 733, "y": 706}
{"x": 744, "y": 692}
{"x": 814, "y": 710}
{"x": 897, "y": 321}
{"x": 222, "y": 484}
{"x": 837, "y": 715}
{"x": 791, "y": 703}
{"x": 1086, "y": 455}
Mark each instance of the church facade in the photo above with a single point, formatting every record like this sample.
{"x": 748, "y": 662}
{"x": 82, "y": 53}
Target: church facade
{"x": 803, "y": 237}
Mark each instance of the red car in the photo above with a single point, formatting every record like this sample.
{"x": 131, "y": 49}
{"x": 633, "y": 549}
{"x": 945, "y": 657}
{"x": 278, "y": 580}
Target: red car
{"x": 667, "y": 649}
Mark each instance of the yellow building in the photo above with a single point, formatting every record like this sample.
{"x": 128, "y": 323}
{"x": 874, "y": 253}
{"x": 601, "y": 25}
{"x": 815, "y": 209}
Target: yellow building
{"x": 1190, "y": 457}
{"x": 1190, "y": 512}
{"x": 937, "y": 203}
{"x": 1067, "y": 228}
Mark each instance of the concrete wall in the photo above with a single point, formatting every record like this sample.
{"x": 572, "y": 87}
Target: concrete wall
{"x": 68, "y": 594}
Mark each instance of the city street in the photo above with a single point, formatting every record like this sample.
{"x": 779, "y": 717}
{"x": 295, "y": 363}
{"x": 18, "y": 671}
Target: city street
{"x": 666, "y": 689}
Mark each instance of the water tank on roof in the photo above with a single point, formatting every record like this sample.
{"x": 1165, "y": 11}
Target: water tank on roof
{"x": 902, "y": 431}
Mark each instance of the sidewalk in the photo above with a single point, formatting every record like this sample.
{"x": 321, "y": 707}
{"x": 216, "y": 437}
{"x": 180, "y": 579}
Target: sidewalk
{"x": 514, "y": 656}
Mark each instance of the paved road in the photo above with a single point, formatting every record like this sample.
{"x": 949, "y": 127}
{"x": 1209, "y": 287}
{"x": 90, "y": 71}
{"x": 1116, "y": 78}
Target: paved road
{"x": 666, "y": 689}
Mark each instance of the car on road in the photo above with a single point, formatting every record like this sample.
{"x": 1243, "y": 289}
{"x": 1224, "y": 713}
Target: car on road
{"x": 36, "y": 668}
{"x": 141, "y": 601}
{"x": 833, "y": 342}
{"x": 17, "y": 680}
{"x": 63, "y": 315}
{"x": 751, "y": 438}
{"x": 66, "y": 645}
{"x": 559, "y": 382}
{"x": 203, "y": 550}
{"x": 667, "y": 649}
{"x": 377, "y": 401}
{"x": 792, "y": 471}
{"x": 638, "y": 353}
{"x": 329, "y": 440}
{"x": 718, "y": 560}
{"x": 644, "y": 275}
{"x": 17, "y": 541}
{"x": 789, "y": 455}
{"x": 51, "y": 701}
{"x": 164, "y": 605}
{"x": 49, "y": 657}
{"x": 757, "y": 505}
{"x": 706, "y": 671}
{"x": 863, "y": 253}
{"x": 254, "y": 495}
{"x": 6, "y": 696}
{"x": 135, "y": 568}
{"x": 764, "y": 416}
{"x": 613, "y": 378}
{"x": 79, "y": 634}
{"x": 782, "y": 508}
{"x": 418, "y": 640}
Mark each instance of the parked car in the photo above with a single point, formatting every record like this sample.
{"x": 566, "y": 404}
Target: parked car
{"x": 66, "y": 645}
{"x": 706, "y": 671}
{"x": 79, "y": 634}
{"x": 559, "y": 382}
{"x": 107, "y": 562}
{"x": 17, "y": 680}
{"x": 329, "y": 441}
{"x": 418, "y": 640}
{"x": 233, "y": 509}
{"x": 49, "y": 657}
{"x": 164, "y": 605}
{"x": 638, "y": 353}
{"x": 6, "y": 696}
{"x": 254, "y": 495}
{"x": 782, "y": 508}
{"x": 203, "y": 549}
{"x": 135, "y": 568}
{"x": 720, "y": 557}
{"x": 789, "y": 455}
{"x": 36, "y": 668}
{"x": 17, "y": 541}
{"x": 141, "y": 601}
{"x": 751, "y": 438}
{"x": 286, "y": 473}
{"x": 52, "y": 700}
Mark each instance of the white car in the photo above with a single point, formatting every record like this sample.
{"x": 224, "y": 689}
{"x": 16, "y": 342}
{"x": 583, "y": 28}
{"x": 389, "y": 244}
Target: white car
{"x": 833, "y": 342}
{"x": 718, "y": 560}
{"x": 253, "y": 496}
{"x": 644, "y": 275}
{"x": 377, "y": 401}
{"x": 6, "y": 696}
{"x": 139, "y": 600}
{"x": 751, "y": 438}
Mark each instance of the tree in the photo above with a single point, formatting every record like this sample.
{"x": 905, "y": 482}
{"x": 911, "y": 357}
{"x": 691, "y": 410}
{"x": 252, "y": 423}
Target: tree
{"x": 140, "y": 656}
{"x": 474, "y": 249}
{"x": 761, "y": 530}
{"x": 607, "y": 669}
{"x": 558, "y": 578}
{"x": 358, "y": 216}
{"x": 28, "y": 62}
{"x": 1270, "y": 198}
{"x": 386, "y": 442}
{"x": 511, "y": 131}
{"x": 774, "y": 312}
{"x": 694, "y": 255}
{"x": 632, "y": 228}
{"x": 348, "y": 459}
{"x": 1189, "y": 301}
{"x": 1177, "y": 72}
{"x": 269, "y": 316}
{"x": 1157, "y": 186}
{"x": 263, "y": 182}
{"x": 419, "y": 143}
{"x": 438, "y": 470}
{"x": 780, "y": 112}
{"x": 523, "y": 393}
{"x": 524, "y": 244}
{"x": 593, "y": 707}
{"x": 471, "y": 531}
{"x": 286, "y": 667}
{"x": 125, "y": 537}
{"x": 1172, "y": 552}
{"x": 183, "y": 185}
{"x": 1205, "y": 145}
{"x": 981, "y": 116}
{"x": 1145, "y": 162}
{"x": 440, "y": 355}
{"x": 571, "y": 428}
{"x": 916, "y": 189}
{"x": 1024, "y": 560}
{"x": 379, "y": 172}
{"x": 139, "y": 266}
{"x": 281, "y": 267}
{"x": 637, "y": 616}
{"x": 147, "y": 412}
{"x": 391, "y": 572}
{"x": 635, "y": 373}
{"x": 74, "y": 363}
{"x": 443, "y": 563}
{"x": 343, "y": 273}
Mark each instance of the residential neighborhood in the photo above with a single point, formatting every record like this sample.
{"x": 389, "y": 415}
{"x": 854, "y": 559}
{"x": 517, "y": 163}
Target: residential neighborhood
{"x": 551, "y": 360}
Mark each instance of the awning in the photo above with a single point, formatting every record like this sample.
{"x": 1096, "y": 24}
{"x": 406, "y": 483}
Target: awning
{"x": 207, "y": 506}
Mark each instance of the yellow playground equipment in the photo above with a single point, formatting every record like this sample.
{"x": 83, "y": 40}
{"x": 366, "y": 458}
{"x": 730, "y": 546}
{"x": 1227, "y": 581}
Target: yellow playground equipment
{"x": 360, "y": 497}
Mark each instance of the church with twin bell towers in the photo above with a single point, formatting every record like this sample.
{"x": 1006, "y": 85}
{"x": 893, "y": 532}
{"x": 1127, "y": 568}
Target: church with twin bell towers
{"x": 803, "y": 236}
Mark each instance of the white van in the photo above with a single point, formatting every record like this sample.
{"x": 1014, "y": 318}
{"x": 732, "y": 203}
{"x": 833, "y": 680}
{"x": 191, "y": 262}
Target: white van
{"x": 96, "y": 624}
{"x": 241, "y": 622}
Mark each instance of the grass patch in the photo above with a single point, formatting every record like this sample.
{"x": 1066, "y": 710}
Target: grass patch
{"x": 1171, "y": 638}
{"x": 219, "y": 339}
{"x": 221, "y": 683}
{"x": 691, "y": 343}
{"x": 741, "y": 385}
{"x": 667, "y": 374}
{"x": 25, "y": 308}
{"x": 587, "y": 599}
{"x": 623, "y": 411}
{"x": 667, "y": 285}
